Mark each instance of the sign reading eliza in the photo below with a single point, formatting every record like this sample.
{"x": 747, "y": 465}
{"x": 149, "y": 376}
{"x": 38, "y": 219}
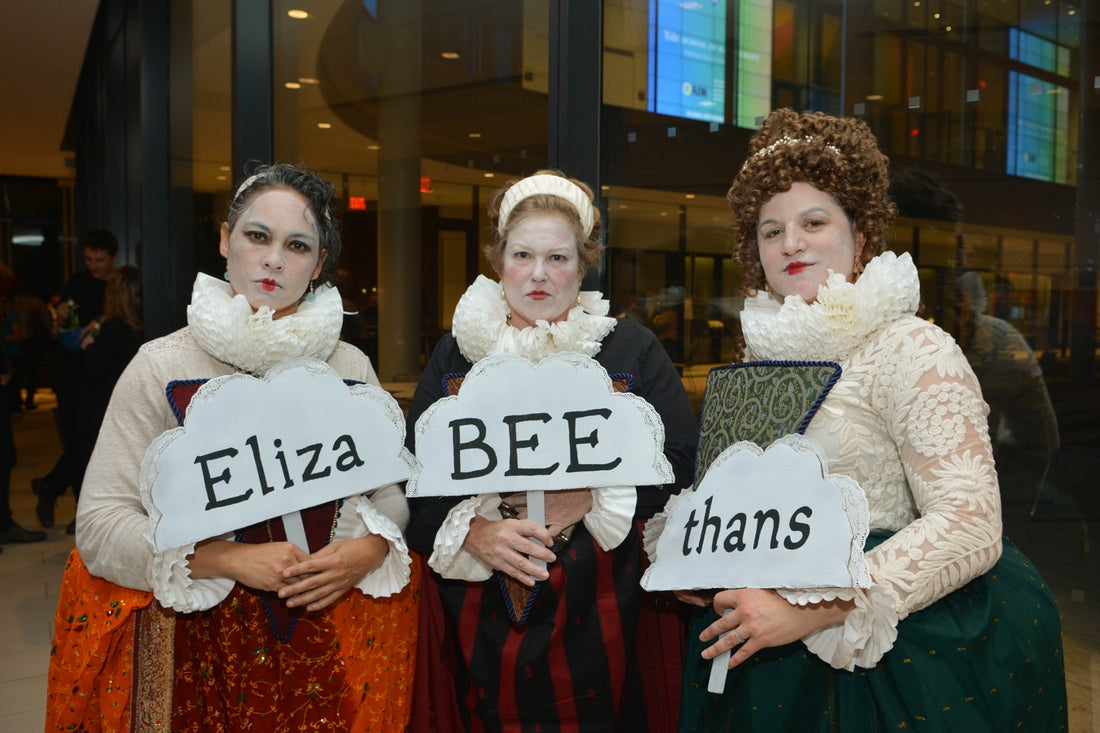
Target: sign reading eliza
{"x": 252, "y": 449}
{"x": 520, "y": 426}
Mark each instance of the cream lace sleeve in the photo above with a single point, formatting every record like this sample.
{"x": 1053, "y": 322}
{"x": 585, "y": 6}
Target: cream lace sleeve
{"x": 933, "y": 409}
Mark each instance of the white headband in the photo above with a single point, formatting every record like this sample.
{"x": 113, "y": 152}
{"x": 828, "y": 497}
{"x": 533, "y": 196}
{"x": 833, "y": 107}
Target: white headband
{"x": 554, "y": 186}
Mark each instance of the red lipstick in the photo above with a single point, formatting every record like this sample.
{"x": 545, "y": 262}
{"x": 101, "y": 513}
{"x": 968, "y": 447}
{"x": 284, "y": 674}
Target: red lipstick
{"x": 268, "y": 285}
{"x": 796, "y": 267}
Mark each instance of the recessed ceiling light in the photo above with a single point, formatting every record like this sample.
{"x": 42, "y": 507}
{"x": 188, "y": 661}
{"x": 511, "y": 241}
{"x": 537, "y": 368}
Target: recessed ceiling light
{"x": 689, "y": 195}
{"x": 324, "y": 125}
{"x": 374, "y": 147}
{"x": 488, "y": 175}
{"x": 449, "y": 55}
{"x": 221, "y": 178}
{"x": 292, "y": 85}
{"x": 223, "y": 168}
{"x": 308, "y": 80}
{"x": 475, "y": 135}
{"x": 297, "y": 14}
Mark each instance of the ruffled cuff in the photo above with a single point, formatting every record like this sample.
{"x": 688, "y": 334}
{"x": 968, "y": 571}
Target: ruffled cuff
{"x": 449, "y": 558}
{"x": 656, "y": 524}
{"x": 867, "y": 633}
{"x": 611, "y": 516}
{"x": 172, "y": 584}
{"x": 394, "y": 572}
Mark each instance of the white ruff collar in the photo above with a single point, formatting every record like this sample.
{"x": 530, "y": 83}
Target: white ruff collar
{"x": 225, "y": 327}
{"x": 841, "y": 318}
{"x": 480, "y": 326}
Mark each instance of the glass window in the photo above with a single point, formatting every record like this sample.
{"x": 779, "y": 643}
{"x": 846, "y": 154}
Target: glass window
{"x": 416, "y": 115}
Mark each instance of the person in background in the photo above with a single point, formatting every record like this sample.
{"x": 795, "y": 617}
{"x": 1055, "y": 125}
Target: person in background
{"x": 80, "y": 306}
{"x": 108, "y": 348}
{"x": 512, "y": 677}
{"x": 957, "y": 630}
{"x": 241, "y": 631}
{"x": 28, "y": 347}
{"x": 10, "y": 530}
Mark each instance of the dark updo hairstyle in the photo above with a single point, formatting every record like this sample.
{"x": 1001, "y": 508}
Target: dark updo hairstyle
{"x": 836, "y": 155}
{"x": 589, "y": 247}
{"x": 318, "y": 193}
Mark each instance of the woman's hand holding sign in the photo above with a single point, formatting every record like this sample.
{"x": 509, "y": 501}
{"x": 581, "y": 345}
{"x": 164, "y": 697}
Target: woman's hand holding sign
{"x": 505, "y": 545}
{"x": 255, "y": 566}
{"x": 315, "y": 581}
{"x": 321, "y": 578}
{"x": 566, "y": 508}
{"x": 756, "y": 619}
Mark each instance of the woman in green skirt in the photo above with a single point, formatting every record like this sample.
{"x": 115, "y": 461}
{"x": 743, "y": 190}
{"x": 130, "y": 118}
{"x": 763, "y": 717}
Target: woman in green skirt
{"x": 957, "y": 631}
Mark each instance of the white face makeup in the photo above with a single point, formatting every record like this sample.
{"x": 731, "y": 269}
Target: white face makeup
{"x": 541, "y": 271}
{"x": 274, "y": 251}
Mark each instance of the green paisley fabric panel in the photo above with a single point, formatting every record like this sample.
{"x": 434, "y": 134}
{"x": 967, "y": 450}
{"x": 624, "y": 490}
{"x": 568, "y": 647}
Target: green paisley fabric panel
{"x": 759, "y": 402}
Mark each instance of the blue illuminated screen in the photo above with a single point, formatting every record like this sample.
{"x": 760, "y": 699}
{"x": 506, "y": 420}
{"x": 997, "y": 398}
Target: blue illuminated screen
{"x": 687, "y": 59}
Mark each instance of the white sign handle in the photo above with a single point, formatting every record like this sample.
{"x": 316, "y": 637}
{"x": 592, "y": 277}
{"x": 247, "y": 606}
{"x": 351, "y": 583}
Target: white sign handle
{"x": 295, "y": 530}
{"x": 536, "y": 512}
{"x": 718, "y": 667}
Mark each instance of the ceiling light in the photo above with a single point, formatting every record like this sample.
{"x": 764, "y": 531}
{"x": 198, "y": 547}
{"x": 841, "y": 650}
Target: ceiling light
{"x": 689, "y": 195}
{"x": 308, "y": 80}
{"x": 324, "y": 125}
{"x": 450, "y": 55}
{"x": 874, "y": 97}
{"x": 374, "y": 147}
{"x": 292, "y": 85}
{"x": 474, "y": 135}
{"x": 297, "y": 14}
{"x": 488, "y": 175}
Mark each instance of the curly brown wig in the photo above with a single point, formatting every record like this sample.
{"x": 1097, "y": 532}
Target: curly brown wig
{"x": 836, "y": 155}
{"x": 589, "y": 247}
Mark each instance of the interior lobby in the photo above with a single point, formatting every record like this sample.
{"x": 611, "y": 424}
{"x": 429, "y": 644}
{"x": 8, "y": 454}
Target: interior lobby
{"x": 417, "y": 110}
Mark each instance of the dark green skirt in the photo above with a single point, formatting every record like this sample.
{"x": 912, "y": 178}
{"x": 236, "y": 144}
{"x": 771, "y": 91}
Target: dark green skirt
{"x": 988, "y": 657}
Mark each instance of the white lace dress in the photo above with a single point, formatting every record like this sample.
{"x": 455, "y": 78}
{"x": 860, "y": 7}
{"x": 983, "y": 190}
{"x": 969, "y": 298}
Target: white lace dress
{"x": 907, "y": 421}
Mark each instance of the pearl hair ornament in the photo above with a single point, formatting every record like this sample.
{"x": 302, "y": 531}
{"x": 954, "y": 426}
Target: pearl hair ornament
{"x": 545, "y": 183}
{"x": 788, "y": 141}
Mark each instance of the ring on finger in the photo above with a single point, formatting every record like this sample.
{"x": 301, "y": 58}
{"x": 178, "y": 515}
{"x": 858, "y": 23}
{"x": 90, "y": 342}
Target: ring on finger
{"x": 737, "y": 636}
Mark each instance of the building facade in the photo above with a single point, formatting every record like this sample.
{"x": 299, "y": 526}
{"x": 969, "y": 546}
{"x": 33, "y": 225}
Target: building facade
{"x": 418, "y": 109}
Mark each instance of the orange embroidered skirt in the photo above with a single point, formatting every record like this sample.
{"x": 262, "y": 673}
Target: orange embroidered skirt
{"x": 121, "y": 662}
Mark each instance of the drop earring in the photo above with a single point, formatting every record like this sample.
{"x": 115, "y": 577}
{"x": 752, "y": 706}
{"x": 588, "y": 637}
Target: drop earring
{"x": 225, "y": 276}
{"x": 311, "y": 297}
